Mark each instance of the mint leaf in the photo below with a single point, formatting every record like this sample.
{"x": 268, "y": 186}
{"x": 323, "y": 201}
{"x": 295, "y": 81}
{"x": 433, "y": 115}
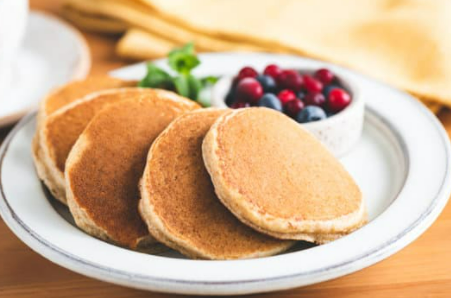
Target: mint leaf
{"x": 188, "y": 86}
{"x": 182, "y": 86}
{"x": 156, "y": 78}
{"x": 183, "y": 59}
{"x": 195, "y": 87}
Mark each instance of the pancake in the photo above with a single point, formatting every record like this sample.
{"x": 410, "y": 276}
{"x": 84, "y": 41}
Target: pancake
{"x": 64, "y": 95}
{"x": 277, "y": 178}
{"x": 77, "y": 89}
{"x": 179, "y": 204}
{"x": 105, "y": 164}
{"x": 60, "y": 131}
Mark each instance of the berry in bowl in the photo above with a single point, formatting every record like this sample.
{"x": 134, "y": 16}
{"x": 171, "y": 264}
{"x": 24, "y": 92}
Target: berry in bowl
{"x": 322, "y": 100}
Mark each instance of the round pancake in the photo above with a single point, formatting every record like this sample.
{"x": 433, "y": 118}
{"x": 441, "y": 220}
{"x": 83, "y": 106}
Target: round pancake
{"x": 179, "y": 204}
{"x": 277, "y": 178}
{"x": 60, "y": 131}
{"x": 105, "y": 164}
{"x": 65, "y": 95}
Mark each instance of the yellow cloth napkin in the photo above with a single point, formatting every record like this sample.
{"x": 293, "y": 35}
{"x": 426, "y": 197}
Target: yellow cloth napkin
{"x": 404, "y": 43}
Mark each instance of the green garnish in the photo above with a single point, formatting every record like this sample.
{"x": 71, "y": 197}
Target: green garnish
{"x": 182, "y": 61}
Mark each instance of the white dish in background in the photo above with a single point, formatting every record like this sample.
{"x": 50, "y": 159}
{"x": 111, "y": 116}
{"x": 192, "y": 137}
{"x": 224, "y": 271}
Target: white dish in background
{"x": 13, "y": 14}
{"x": 52, "y": 54}
{"x": 339, "y": 133}
{"x": 405, "y": 181}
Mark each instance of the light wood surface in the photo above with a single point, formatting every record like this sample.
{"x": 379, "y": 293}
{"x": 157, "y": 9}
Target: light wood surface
{"x": 423, "y": 269}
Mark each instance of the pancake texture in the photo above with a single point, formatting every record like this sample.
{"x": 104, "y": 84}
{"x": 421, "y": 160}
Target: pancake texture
{"x": 65, "y": 95}
{"x": 277, "y": 178}
{"x": 76, "y": 90}
{"x": 179, "y": 204}
{"x": 105, "y": 164}
{"x": 60, "y": 131}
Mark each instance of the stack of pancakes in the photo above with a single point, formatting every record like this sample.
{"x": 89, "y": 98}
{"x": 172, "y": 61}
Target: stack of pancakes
{"x": 144, "y": 167}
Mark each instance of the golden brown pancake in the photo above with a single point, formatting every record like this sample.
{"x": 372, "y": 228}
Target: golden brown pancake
{"x": 277, "y": 178}
{"x": 77, "y": 89}
{"x": 60, "y": 131}
{"x": 179, "y": 204}
{"x": 65, "y": 95}
{"x": 105, "y": 164}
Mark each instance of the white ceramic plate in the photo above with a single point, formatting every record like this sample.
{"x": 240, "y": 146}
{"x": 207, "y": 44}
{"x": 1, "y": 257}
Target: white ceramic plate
{"x": 401, "y": 163}
{"x": 52, "y": 54}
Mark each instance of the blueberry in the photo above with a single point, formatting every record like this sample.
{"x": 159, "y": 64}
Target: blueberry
{"x": 329, "y": 88}
{"x": 268, "y": 83}
{"x": 270, "y": 101}
{"x": 310, "y": 114}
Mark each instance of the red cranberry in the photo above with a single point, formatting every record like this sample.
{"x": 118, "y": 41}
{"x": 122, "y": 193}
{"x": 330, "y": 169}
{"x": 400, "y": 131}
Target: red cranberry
{"x": 249, "y": 90}
{"x": 286, "y": 96}
{"x": 338, "y": 100}
{"x": 312, "y": 84}
{"x": 314, "y": 99}
{"x": 273, "y": 71}
{"x": 324, "y": 75}
{"x": 293, "y": 107}
{"x": 240, "y": 104}
{"x": 290, "y": 79}
{"x": 247, "y": 72}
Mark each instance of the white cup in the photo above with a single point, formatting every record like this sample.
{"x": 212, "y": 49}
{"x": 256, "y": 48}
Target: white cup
{"x": 13, "y": 20}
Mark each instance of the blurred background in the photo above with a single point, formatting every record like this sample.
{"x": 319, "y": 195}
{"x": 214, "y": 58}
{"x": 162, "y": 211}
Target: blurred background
{"x": 403, "y": 43}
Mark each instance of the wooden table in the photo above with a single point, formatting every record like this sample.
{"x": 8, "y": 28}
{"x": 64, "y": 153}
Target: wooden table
{"x": 423, "y": 269}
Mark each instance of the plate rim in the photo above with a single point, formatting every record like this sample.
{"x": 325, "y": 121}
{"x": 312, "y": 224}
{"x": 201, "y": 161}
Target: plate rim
{"x": 383, "y": 250}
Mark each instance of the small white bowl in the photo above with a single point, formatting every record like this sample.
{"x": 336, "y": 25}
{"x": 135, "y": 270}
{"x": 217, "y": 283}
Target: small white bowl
{"x": 339, "y": 133}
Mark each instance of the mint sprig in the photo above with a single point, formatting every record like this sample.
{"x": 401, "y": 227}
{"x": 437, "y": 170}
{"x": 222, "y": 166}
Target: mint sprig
{"x": 156, "y": 78}
{"x": 182, "y": 61}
